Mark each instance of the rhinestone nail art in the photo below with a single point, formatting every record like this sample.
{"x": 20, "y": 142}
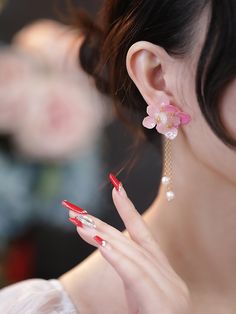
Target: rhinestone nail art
{"x": 100, "y": 241}
{"x": 86, "y": 221}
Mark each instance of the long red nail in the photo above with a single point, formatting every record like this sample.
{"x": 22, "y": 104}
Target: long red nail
{"x": 100, "y": 241}
{"x": 76, "y": 222}
{"x": 74, "y": 208}
{"x": 117, "y": 184}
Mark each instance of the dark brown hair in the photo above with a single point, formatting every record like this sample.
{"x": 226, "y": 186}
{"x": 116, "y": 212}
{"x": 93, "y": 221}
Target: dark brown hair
{"x": 170, "y": 24}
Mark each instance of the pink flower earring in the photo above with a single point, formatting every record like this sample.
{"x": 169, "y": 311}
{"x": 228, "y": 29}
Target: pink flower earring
{"x": 167, "y": 119}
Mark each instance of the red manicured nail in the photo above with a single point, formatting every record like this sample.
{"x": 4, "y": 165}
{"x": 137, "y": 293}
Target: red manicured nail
{"x": 117, "y": 184}
{"x": 74, "y": 208}
{"x": 76, "y": 222}
{"x": 100, "y": 241}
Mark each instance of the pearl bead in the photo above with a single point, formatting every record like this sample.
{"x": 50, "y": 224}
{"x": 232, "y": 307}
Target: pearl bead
{"x": 165, "y": 180}
{"x": 170, "y": 195}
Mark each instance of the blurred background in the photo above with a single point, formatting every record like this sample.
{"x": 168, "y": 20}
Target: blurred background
{"x": 59, "y": 139}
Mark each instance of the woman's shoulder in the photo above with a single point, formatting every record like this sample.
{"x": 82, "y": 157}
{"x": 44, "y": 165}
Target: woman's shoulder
{"x": 35, "y": 296}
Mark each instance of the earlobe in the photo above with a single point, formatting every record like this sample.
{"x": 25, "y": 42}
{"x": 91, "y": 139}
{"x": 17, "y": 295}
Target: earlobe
{"x": 146, "y": 64}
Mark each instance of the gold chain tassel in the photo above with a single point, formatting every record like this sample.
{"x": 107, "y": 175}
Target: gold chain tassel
{"x": 168, "y": 170}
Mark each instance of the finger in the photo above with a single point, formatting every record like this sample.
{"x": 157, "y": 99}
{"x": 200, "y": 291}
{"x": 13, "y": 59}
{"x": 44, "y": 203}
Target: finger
{"x": 143, "y": 293}
{"x": 101, "y": 226}
{"x": 81, "y": 214}
{"x": 125, "y": 245}
{"x": 147, "y": 290}
{"x": 135, "y": 278}
{"x": 111, "y": 232}
{"x": 129, "y": 214}
{"x": 134, "y": 223}
{"x": 91, "y": 222}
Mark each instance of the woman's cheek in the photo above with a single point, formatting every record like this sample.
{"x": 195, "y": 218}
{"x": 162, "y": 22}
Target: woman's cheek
{"x": 228, "y": 108}
{"x": 205, "y": 146}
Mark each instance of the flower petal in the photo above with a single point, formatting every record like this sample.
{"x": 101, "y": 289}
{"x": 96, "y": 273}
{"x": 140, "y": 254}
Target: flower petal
{"x": 163, "y": 117}
{"x": 176, "y": 121}
{"x": 184, "y": 117}
{"x": 170, "y": 108}
{"x": 153, "y": 110}
{"x": 149, "y": 123}
{"x": 161, "y": 128}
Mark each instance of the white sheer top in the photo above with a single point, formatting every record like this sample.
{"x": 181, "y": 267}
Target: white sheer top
{"x": 36, "y": 296}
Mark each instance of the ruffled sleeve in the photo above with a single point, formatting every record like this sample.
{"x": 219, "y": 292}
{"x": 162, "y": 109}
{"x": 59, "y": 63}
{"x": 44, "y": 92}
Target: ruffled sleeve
{"x": 36, "y": 296}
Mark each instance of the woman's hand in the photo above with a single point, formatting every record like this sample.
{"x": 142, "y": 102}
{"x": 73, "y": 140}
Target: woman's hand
{"x": 150, "y": 284}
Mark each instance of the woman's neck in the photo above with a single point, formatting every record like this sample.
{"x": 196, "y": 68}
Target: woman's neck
{"x": 197, "y": 230}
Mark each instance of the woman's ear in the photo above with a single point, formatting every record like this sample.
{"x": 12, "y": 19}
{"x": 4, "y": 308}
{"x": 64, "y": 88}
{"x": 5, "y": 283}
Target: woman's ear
{"x": 147, "y": 66}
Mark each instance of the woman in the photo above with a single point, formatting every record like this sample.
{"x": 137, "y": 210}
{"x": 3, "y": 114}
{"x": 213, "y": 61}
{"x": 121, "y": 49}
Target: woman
{"x": 176, "y": 60}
